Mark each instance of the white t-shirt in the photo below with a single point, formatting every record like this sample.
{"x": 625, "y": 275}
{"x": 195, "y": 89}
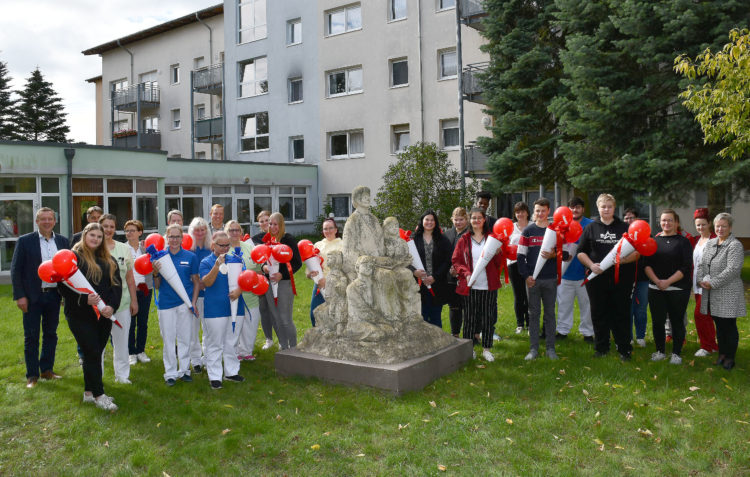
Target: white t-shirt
{"x": 697, "y": 257}
{"x": 476, "y": 254}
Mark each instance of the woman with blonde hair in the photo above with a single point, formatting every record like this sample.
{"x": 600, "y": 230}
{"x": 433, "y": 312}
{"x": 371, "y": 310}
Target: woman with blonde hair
{"x": 247, "y": 329}
{"x": 265, "y": 319}
{"x": 460, "y": 219}
{"x": 90, "y": 332}
{"x": 198, "y": 231}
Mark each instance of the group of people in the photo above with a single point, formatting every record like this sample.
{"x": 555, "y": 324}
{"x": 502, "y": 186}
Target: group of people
{"x": 707, "y": 265}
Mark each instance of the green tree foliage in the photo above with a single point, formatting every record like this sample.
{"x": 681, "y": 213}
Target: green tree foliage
{"x": 721, "y": 104}
{"x": 7, "y": 106}
{"x": 422, "y": 178}
{"x": 523, "y": 77}
{"x": 40, "y": 112}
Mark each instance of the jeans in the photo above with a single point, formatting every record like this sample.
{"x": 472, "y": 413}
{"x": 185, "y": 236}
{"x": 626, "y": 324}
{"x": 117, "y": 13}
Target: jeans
{"x": 431, "y": 312}
{"x": 638, "y": 310}
{"x": 543, "y": 293}
{"x": 139, "y": 324}
{"x": 316, "y": 301}
{"x": 44, "y": 315}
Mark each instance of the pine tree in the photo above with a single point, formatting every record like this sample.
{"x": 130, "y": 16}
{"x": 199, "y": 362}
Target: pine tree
{"x": 40, "y": 112}
{"x": 7, "y": 106}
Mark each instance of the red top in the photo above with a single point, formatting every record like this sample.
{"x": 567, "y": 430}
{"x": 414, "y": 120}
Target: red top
{"x": 464, "y": 265}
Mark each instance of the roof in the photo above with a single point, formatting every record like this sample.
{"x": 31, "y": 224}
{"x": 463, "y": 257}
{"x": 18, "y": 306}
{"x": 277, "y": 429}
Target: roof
{"x": 157, "y": 30}
{"x": 94, "y": 79}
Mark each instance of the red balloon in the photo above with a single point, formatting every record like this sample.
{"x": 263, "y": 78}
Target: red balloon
{"x": 260, "y": 253}
{"x": 282, "y": 253}
{"x": 306, "y": 249}
{"x": 187, "y": 241}
{"x": 503, "y": 228}
{"x": 563, "y": 217}
{"x": 639, "y": 231}
{"x": 574, "y": 232}
{"x": 510, "y": 251}
{"x": 156, "y": 240}
{"x": 261, "y": 287}
{"x": 47, "y": 272}
{"x": 143, "y": 264}
{"x": 65, "y": 263}
{"x": 247, "y": 280}
{"x": 648, "y": 248}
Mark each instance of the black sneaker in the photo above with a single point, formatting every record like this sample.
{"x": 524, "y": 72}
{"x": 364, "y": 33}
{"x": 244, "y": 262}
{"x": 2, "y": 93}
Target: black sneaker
{"x": 197, "y": 369}
{"x": 169, "y": 382}
{"x": 560, "y": 336}
{"x": 186, "y": 378}
{"x": 236, "y": 378}
{"x": 599, "y": 354}
{"x": 588, "y": 339}
{"x": 216, "y": 385}
{"x": 625, "y": 357}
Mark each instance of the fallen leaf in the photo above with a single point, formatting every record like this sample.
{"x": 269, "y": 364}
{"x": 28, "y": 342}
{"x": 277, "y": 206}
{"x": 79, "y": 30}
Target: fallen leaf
{"x": 442, "y": 468}
{"x": 488, "y": 394}
{"x": 226, "y": 431}
{"x": 425, "y": 420}
{"x": 403, "y": 427}
{"x": 728, "y": 387}
{"x": 279, "y": 401}
{"x": 432, "y": 403}
{"x": 158, "y": 424}
{"x": 509, "y": 421}
{"x": 451, "y": 415}
{"x": 645, "y": 432}
{"x": 617, "y": 385}
{"x": 694, "y": 388}
{"x": 657, "y": 440}
{"x": 296, "y": 410}
{"x": 326, "y": 433}
{"x": 481, "y": 366}
{"x": 725, "y": 380}
{"x": 599, "y": 441}
{"x": 509, "y": 439}
{"x": 270, "y": 392}
{"x": 744, "y": 422}
{"x": 229, "y": 406}
{"x": 687, "y": 399}
{"x": 572, "y": 414}
{"x": 278, "y": 418}
{"x": 629, "y": 416}
{"x": 562, "y": 371}
{"x": 585, "y": 393}
{"x": 164, "y": 474}
{"x": 315, "y": 446}
{"x": 617, "y": 446}
{"x": 597, "y": 414}
{"x": 360, "y": 455}
{"x": 601, "y": 448}
{"x": 106, "y": 444}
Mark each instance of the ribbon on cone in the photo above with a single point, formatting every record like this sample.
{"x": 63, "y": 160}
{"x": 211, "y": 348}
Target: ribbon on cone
{"x": 621, "y": 250}
{"x": 169, "y": 273}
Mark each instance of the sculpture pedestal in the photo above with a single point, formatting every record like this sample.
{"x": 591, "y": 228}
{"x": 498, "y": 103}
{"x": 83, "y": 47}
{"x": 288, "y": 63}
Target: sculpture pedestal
{"x": 410, "y": 375}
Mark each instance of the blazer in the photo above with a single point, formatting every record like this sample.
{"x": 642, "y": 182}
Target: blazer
{"x": 441, "y": 262}
{"x": 723, "y": 264}
{"x": 26, "y": 260}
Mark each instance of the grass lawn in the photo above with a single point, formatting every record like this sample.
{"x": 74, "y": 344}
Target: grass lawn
{"x": 575, "y": 416}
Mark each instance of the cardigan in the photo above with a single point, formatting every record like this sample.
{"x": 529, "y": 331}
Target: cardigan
{"x": 464, "y": 265}
{"x": 723, "y": 265}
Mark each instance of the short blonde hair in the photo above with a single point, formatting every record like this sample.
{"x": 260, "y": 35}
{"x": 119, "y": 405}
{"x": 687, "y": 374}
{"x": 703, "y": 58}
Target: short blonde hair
{"x": 724, "y": 216}
{"x": 605, "y": 198}
{"x": 230, "y": 223}
{"x": 173, "y": 226}
{"x": 459, "y": 212}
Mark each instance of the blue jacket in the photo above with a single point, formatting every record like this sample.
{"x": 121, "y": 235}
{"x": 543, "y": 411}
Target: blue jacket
{"x": 26, "y": 260}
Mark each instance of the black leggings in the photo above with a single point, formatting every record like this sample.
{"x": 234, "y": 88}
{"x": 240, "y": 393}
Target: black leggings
{"x": 520, "y": 299}
{"x": 727, "y": 336}
{"x": 668, "y": 304}
{"x": 91, "y": 335}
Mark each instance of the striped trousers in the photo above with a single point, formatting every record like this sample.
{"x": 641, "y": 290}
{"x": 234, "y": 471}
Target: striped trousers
{"x": 480, "y": 315}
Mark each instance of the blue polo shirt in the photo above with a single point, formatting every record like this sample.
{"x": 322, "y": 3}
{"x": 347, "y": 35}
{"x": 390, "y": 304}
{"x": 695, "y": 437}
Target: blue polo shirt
{"x": 216, "y": 299}
{"x": 575, "y": 270}
{"x": 201, "y": 253}
{"x": 186, "y": 264}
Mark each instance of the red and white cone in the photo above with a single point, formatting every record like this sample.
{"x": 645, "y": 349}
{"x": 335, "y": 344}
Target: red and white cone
{"x": 548, "y": 244}
{"x": 490, "y": 249}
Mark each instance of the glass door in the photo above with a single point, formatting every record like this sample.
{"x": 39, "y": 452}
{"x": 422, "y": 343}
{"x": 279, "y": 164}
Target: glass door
{"x": 16, "y": 219}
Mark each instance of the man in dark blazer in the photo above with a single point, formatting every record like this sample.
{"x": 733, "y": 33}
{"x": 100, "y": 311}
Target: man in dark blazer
{"x": 38, "y": 301}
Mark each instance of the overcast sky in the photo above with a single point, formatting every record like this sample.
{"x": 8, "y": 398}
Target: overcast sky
{"x": 52, "y": 34}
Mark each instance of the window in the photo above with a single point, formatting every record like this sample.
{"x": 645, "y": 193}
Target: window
{"x": 293, "y": 203}
{"x": 445, "y": 4}
{"x": 200, "y": 154}
{"x": 200, "y": 111}
{"x": 150, "y": 124}
{"x": 347, "y": 144}
{"x": 295, "y": 90}
{"x": 297, "y": 149}
{"x": 448, "y": 64}
{"x": 396, "y": 9}
{"x": 175, "y": 119}
{"x": 174, "y": 74}
{"x": 119, "y": 84}
{"x": 294, "y": 32}
{"x": 254, "y": 131}
{"x": 251, "y": 20}
{"x": 346, "y": 81}
{"x": 121, "y": 125}
{"x": 399, "y": 138}
{"x": 399, "y": 72}
{"x": 199, "y": 63}
{"x": 449, "y": 133}
{"x": 262, "y": 199}
{"x": 340, "y": 205}
{"x": 344, "y": 20}
{"x": 149, "y": 77}
{"x": 253, "y": 77}
{"x": 188, "y": 199}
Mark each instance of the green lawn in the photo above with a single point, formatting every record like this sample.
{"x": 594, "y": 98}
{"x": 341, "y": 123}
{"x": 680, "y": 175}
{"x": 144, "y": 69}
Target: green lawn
{"x": 570, "y": 417}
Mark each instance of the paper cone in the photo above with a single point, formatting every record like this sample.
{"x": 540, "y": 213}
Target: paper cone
{"x": 572, "y": 249}
{"x": 548, "y": 244}
{"x": 416, "y": 260}
{"x": 609, "y": 260}
{"x": 169, "y": 273}
{"x": 233, "y": 272}
{"x": 80, "y": 283}
{"x": 273, "y": 267}
{"x": 313, "y": 265}
{"x": 491, "y": 246}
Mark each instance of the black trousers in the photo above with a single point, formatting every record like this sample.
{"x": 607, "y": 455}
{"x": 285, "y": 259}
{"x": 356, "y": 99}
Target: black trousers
{"x": 91, "y": 335}
{"x": 610, "y": 312}
{"x": 520, "y": 299}
{"x": 727, "y": 336}
{"x": 668, "y": 304}
{"x": 455, "y": 309}
{"x": 480, "y": 315}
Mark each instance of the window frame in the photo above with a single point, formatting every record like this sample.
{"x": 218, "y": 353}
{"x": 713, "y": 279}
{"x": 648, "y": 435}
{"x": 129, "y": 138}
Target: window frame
{"x": 345, "y": 9}
{"x": 290, "y": 82}
{"x": 396, "y": 131}
{"x": 442, "y": 135}
{"x": 347, "y": 72}
{"x": 391, "y": 12}
{"x": 255, "y": 27}
{"x": 391, "y": 63}
{"x": 174, "y": 74}
{"x": 348, "y": 198}
{"x": 440, "y": 8}
{"x": 175, "y": 120}
{"x": 267, "y": 135}
{"x": 441, "y": 55}
{"x": 257, "y": 83}
{"x": 292, "y": 140}
{"x": 290, "y": 27}
{"x": 348, "y": 154}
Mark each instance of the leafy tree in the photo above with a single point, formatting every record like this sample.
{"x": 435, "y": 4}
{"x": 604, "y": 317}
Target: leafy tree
{"x": 40, "y": 112}
{"x": 522, "y": 79}
{"x": 7, "y": 106}
{"x": 422, "y": 178}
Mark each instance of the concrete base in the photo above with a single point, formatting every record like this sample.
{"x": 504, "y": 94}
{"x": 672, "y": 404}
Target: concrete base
{"x": 411, "y": 375}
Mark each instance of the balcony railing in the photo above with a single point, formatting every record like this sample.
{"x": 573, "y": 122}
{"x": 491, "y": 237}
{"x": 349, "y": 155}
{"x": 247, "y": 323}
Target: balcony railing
{"x": 209, "y": 130}
{"x": 127, "y": 99}
{"x": 475, "y": 161}
{"x": 472, "y": 84}
{"x": 149, "y": 139}
{"x": 209, "y": 80}
{"x": 472, "y": 12}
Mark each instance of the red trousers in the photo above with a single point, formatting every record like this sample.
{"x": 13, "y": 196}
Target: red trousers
{"x": 705, "y": 327}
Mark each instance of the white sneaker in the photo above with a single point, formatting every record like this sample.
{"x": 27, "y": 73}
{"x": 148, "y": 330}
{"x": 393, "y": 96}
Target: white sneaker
{"x": 473, "y": 354}
{"x": 496, "y": 337}
{"x": 675, "y": 359}
{"x": 519, "y": 330}
{"x": 488, "y": 356}
{"x": 268, "y": 344}
{"x": 532, "y": 355}
{"x": 702, "y": 353}
{"x": 88, "y": 398}
{"x": 132, "y": 359}
{"x": 143, "y": 358}
{"x": 658, "y": 356}
{"x": 641, "y": 342}
{"x": 123, "y": 381}
{"x": 105, "y": 402}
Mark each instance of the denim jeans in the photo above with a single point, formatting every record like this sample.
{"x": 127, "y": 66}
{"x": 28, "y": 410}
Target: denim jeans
{"x": 638, "y": 310}
{"x": 316, "y": 301}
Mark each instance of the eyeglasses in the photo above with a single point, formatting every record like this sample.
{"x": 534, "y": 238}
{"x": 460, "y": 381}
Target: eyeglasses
{"x": 234, "y": 230}
{"x": 174, "y": 237}
{"x": 131, "y": 231}
{"x": 222, "y": 244}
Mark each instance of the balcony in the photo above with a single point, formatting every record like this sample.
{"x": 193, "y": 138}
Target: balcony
{"x": 472, "y": 12}
{"x": 144, "y": 94}
{"x": 149, "y": 139}
{"x": 475, "y": 162}
{"x": 472, "y": 83}
{"x": 209, "y": 130}
{"x": 209, "y": 80}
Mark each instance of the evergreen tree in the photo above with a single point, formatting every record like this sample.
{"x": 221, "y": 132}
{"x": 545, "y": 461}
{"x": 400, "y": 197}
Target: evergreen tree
{"x": 40, "y": 112}
{"x": 523, "y": 77}
{"x": 7, "y": 106}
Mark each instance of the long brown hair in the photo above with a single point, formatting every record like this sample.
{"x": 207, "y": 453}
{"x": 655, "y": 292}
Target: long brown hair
{"x": 282, "y": 228}
{"x": 89, "y": 256}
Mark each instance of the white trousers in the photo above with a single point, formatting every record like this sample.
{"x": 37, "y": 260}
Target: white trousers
{"x": 567, "y": 292}
{"x": 120, "y": 356}
{"x": 175, "y": 325}
{"x": 196, "y": 348}
{"x": 247, "y": 328}
{"x": 220, "y": 342}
